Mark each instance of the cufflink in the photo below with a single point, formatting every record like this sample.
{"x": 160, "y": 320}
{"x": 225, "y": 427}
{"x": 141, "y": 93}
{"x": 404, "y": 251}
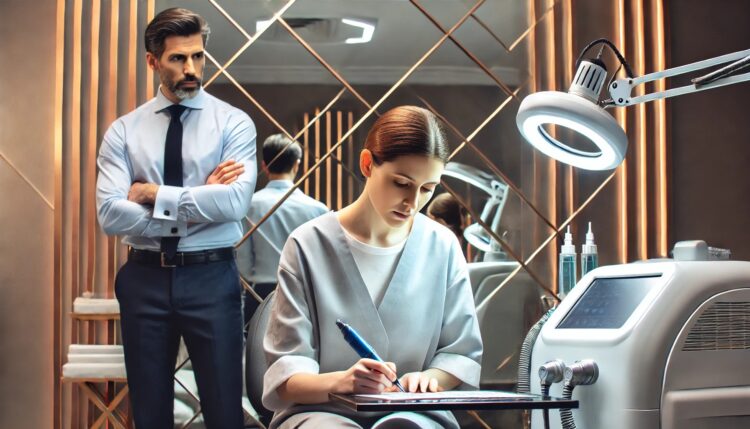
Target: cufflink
{"x": 166, "y": 212}
{"x": 174, "y": 230}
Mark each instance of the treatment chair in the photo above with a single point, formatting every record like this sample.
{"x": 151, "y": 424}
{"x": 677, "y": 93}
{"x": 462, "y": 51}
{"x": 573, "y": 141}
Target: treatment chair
{"x": 255, "y": 359}
{"x": 504, "y": 321}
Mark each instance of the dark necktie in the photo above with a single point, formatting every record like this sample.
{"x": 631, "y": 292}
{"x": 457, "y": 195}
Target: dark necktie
{"x": 173, "y": 166}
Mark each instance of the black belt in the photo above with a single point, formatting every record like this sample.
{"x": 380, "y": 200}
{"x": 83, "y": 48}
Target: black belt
{"x": 151, "y": 257}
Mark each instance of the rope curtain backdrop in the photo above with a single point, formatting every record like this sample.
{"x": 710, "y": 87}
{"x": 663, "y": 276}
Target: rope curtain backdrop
{"x": 102, "y": 74}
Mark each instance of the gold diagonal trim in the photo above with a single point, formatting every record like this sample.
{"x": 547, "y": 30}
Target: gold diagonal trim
{"x": 250, "y": 97}
{"x": 487, "y": 161}
{"x": 179, "y": 367}
{"x": 494, "y": 235}
{"x": 192, "y": 419}
{"x": 468, "y": 53}
{"x": 515, "y": 43}
{"x": 476, "y": 417}
{"x": 345, "y": 167}
{"x": 484, "y": 123}
{"x": 492, "y": 33}
{"x": 503, "y": 363}
{"x": 469, "y": 141}
{"x": 364, "y": 117}
{"x": 222, "y": 68}
{"x": 260, "y": 107}
{"x": 528, "y": 30}
{"x": 247, "y": 287}
{"x": 487, "y": 299}
{"x": 307, "y": 126}
{"x": 188, "y": 391}
{"x": 250, "y": 39}
{"x": 26, "y": 179}
{"x": 231, "y": 20}
{"x": 323, "y": 62}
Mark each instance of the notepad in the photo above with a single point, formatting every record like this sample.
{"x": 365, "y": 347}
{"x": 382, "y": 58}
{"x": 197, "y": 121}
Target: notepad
{"x": 453, "y": 395}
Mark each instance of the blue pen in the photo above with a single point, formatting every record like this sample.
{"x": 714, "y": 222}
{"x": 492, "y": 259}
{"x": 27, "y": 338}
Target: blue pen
{"x": 361, "y": 347}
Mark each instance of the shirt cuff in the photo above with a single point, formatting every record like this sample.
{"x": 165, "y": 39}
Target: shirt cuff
{"x": 465, "y": 369}
{"x": 279, "y": 372}
{"x": 173, "y": 228}
{"x": 167, "y": 199}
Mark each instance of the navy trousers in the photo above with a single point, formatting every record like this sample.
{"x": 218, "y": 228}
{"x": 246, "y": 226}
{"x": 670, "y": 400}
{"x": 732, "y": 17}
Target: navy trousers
{"x": 202, "y": 304}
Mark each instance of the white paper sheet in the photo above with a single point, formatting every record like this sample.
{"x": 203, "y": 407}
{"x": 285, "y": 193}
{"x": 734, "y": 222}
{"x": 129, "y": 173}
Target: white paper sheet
{"x": 448, "y": 395}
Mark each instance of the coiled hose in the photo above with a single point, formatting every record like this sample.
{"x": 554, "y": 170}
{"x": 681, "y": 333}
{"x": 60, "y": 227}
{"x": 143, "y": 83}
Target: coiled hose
{"x": 566, "y": 415}
{"x": 524, "y": 360}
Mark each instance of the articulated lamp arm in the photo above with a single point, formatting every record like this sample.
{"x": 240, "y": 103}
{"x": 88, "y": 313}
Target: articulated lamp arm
{"x": 621, "y": 89}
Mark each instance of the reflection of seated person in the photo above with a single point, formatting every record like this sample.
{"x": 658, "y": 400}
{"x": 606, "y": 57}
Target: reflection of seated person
{"x": 445, "y": 209}
{"x": 258, "y": 258}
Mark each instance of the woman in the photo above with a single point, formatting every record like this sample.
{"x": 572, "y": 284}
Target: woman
{"x": 446, "y": 209}
{"x": 393, "y": 274}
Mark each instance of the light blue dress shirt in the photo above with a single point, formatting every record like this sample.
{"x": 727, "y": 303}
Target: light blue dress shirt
{"x": 258, "y": 257}
{"x": 203, "y": 216}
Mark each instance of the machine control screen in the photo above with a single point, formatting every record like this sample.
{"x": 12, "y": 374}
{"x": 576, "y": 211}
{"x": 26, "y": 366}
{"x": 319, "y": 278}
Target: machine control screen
{"x": 608, "y": 302}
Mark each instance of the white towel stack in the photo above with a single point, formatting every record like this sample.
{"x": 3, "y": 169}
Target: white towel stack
{"x": 87, "y": 305}
{"x": 94, "y": 361}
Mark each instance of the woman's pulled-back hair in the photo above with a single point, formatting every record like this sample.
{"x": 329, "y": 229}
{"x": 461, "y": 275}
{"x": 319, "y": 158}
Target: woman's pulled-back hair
{"x": 407, "y": 130}
{"x": 446, "y": 207}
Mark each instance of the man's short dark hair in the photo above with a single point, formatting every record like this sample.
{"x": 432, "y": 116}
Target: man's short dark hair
{"x": 273, "y": 146}
{"x": 173, "y": 22}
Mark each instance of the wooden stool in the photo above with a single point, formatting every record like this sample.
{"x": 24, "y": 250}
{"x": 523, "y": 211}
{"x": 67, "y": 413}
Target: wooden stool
{"x": 109, "y": 408}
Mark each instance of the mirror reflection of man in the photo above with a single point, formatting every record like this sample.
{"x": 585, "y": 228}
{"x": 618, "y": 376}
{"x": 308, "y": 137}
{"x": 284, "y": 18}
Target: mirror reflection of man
{"x": 176, "y": 176}
{"x": 258, "y": 257}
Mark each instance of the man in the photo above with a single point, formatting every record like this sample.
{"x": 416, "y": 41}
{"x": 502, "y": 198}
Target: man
{"x": 258, "y": 258}
{"x": 172, "y": 181}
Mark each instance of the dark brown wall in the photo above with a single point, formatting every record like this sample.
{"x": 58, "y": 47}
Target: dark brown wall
{"x": 710, "y": 136}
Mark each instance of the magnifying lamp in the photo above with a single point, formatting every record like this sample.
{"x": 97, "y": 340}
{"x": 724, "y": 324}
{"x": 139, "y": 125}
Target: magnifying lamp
{"x": 475, "y": 234}
{"x": 581, "y": 111}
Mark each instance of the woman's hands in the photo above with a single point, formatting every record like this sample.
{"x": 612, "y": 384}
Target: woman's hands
{"x": 370, "y": 376}
{"x": 366, "y": 376}
{"x": 418, "y": 382}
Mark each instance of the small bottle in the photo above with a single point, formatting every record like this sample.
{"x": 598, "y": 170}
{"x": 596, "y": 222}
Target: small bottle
{"x": 567, "y": 269}
{"x": 589, "y": 257}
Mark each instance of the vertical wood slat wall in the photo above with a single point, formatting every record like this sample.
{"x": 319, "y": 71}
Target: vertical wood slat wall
{"x": 643, "y": 26}
{"x": 100, "y": 59}
{"x": 332, "y": 183}
{"x": 638, "y": 193}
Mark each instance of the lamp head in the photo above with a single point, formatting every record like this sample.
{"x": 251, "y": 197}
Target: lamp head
{"x": 579, "y": 111}
{"x": 480, "y": 239}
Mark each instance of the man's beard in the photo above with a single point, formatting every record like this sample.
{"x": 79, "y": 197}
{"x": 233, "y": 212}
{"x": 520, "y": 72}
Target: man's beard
{"x": 184, "y": 94}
